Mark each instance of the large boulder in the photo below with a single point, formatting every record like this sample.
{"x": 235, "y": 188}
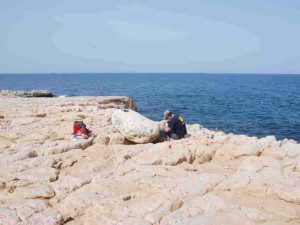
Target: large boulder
{"x": 135, "y": 127}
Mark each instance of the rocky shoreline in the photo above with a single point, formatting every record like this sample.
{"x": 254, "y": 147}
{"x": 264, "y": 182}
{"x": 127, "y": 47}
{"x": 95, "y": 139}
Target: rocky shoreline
{"x": 208, "y": 178}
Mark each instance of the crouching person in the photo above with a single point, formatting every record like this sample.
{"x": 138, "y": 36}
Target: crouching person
{"x": 80, "y": 131}
{"x": 173, "y": 126}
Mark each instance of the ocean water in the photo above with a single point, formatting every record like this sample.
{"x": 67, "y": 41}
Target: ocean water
{"x": 256, "y": 105}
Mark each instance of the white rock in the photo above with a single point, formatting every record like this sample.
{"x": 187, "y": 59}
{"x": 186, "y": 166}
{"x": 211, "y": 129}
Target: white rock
{"x": 8, "y": 217}
{"x": 135, "y": 127}
{"x": 49, "y": 217}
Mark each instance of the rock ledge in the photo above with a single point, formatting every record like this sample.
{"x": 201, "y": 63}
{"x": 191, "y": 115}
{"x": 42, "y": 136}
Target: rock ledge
{"x": 27, "y": 94}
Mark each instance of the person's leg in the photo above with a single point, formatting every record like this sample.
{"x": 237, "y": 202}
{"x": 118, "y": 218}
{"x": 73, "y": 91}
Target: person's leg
{"x": 165, "y": 135}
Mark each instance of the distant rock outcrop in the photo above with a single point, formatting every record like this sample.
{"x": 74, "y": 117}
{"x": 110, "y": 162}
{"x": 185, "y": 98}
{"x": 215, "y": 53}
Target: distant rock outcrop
{"x": 135, "y": 127}
{"x": 27, "y": 94}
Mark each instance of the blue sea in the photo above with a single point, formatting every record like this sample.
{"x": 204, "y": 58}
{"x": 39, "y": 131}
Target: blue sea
{"x": 252, "y": 104}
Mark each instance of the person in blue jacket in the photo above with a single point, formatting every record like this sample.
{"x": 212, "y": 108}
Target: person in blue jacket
{"x": 174, "y": 126}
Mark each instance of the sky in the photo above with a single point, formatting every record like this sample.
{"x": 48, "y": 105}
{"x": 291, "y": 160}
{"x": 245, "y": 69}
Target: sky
{"x": 206, "y": 36}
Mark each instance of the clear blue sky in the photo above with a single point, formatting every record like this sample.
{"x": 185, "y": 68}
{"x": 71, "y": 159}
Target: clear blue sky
{"x": 256, "y": 36}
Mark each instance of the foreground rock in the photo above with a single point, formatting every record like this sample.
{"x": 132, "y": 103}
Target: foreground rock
{"x": 135, "y": 127}
{"x": 209, "y": 178}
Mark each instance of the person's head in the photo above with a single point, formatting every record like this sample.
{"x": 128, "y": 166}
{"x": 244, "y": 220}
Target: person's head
{"x": 168, "y": 115}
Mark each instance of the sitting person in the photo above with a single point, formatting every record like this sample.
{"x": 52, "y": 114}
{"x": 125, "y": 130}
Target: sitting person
{"x": 80, "y": 130}
{"x": 173, "y": 126}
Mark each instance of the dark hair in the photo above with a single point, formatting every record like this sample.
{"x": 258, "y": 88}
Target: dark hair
{"x": 170, "y": 113}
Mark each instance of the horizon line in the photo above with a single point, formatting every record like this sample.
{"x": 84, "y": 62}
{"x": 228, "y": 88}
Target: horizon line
{"x": 203, "y": 73}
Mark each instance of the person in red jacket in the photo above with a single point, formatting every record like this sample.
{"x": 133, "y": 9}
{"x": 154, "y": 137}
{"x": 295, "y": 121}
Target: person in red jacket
{"x": 80, "y": 130}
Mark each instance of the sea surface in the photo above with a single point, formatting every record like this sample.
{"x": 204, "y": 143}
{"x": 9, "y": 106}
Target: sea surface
{"x": 252, "y": 104}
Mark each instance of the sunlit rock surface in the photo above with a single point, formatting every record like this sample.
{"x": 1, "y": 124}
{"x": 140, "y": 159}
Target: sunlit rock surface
{"x": 135, "y": 127}
{"x": 208, "y": 178}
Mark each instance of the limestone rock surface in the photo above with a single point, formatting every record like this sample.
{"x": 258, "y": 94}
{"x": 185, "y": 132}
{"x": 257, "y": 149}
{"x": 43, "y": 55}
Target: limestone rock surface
{"x": 208, "y": 178}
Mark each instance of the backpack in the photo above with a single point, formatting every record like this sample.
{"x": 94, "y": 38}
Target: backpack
{"x": 80, "y": 126}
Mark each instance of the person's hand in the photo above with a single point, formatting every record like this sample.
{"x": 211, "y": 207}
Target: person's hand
{"x": 162, "y": 124}
{"x": 166, "y": 124}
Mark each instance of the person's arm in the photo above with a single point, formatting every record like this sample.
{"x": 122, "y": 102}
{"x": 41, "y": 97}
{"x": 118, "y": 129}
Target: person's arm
{"x": 164, "y": 125}
{"x": 167, "y": 128}
{"x": 170, "y": 125}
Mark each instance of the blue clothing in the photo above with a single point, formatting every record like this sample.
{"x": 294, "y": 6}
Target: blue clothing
{"x": 177, "y": 126}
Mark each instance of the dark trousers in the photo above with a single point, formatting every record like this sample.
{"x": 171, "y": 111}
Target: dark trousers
{"x": 168, "y": 135}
